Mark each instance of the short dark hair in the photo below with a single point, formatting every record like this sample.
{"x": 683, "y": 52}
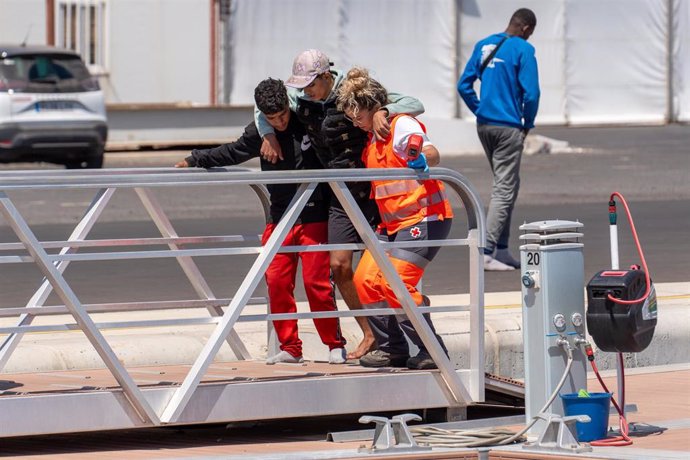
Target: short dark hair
{"x": 524, "y": 16}
{"x": 271, "y": 96}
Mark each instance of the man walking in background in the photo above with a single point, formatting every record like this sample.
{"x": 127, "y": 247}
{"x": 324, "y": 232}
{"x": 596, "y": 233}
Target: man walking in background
{"x": 505, "y": 109}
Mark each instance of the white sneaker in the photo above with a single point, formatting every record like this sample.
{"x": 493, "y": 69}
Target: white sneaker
{"x": 337, "y": 356}
{"x": 284, "y": 357}
{"x": 493, "y": 265}
{"x": 504, "y": 256}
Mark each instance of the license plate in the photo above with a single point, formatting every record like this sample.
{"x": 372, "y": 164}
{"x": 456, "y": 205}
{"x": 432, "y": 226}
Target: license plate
{"x": 54, "y": 105}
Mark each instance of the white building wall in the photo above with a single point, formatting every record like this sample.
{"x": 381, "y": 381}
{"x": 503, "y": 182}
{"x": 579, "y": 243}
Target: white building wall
{"x": 265, "y": 33}
{"x": 616, "y": 61}
{"x": 159, "y": 51}
{"x": 406, "y": 54}
{"x": 600, "y": 61}
{"x": 392, "y": 38}
{"x": 18, "y": 16}
{"x": 548, "y": 41}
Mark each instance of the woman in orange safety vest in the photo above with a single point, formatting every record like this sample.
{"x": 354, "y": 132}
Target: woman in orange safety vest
{"x": 411, "y": 210}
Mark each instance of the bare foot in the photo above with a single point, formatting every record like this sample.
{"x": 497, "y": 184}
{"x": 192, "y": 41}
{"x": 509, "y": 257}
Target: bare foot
{"x": 365, "y": 346}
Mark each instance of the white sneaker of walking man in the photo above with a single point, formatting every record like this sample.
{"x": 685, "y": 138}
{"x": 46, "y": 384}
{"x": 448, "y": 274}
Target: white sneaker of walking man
{"x": 504, "y": 256}
{"x": 493, "y": 265}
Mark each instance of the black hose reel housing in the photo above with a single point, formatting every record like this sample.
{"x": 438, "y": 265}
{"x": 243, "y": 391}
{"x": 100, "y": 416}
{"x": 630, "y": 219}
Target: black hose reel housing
{"x": 618, "y": 327}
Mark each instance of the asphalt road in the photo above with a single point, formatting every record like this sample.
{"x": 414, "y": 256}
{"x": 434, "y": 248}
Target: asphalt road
{"x": 648, "y": 165}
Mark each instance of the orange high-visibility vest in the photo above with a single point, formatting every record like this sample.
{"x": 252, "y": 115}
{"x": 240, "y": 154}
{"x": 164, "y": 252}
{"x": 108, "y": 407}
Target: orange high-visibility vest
{"x": 403, "y": 203}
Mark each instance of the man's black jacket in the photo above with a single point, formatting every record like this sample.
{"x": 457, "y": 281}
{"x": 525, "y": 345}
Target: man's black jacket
{"x": 298, "y": 154}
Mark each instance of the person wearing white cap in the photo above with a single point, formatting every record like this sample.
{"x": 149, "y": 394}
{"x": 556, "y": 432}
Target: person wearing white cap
{"x": 313, "y": 90}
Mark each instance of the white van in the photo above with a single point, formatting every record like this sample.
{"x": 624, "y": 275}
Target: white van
{"x": 51, "y": 108}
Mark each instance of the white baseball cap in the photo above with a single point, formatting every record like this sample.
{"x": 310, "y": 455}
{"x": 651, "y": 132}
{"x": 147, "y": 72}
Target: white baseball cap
{"x": 307, "y": 66}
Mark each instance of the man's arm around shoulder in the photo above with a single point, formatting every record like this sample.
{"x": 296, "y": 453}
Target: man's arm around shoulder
{"x": 398, "y": 103}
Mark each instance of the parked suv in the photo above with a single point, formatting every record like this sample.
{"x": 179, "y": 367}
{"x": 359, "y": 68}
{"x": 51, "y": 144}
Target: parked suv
{"x": 51, "y": 108}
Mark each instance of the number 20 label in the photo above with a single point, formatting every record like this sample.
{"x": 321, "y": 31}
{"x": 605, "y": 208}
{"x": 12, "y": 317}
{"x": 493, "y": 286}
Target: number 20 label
{"x": 532, "y": 258}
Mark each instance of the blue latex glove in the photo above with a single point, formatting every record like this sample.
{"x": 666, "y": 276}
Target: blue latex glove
{"x": 419, "y": 164}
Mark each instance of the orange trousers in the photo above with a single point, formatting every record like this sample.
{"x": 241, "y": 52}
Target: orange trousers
{"x": 373, "y": 289}
{"x": 375, "y": 292}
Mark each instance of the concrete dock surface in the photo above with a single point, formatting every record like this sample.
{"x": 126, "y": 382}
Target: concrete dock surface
{"x": 54, "y": 351}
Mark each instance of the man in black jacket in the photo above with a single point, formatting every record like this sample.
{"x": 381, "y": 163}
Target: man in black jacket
{"x": 311, "y": 227}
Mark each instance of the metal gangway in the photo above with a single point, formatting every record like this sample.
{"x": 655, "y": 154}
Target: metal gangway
{"x": 197, "y": 397}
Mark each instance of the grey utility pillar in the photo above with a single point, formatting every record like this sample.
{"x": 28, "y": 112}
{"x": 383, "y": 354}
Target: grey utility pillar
{"x": 553, "y": 309}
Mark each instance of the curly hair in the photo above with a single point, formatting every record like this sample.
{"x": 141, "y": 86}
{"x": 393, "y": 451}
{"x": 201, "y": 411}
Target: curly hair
{"x": 271, "y": 96}
{"x": 358, "y": 91}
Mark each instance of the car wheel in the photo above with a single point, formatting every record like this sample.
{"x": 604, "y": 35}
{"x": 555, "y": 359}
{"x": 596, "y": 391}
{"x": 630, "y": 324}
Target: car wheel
{"x": 94, "y": 160}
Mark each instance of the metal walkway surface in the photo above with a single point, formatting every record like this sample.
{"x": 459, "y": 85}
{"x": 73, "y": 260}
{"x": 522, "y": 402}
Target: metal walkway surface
{"x": 228, "y": 392}
{"x": 130, "y": 398}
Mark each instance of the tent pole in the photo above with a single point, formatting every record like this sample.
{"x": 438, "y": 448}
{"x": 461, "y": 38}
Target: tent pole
{"x": 458, "y": 45}
{"x": 669, "y": 58}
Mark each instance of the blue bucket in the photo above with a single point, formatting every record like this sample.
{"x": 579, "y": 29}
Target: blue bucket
{"x": 597, "y": 406}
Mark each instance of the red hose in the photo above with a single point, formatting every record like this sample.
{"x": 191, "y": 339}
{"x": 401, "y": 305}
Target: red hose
{"x": 623, "y": 439}
{"x": 639, "y": 251}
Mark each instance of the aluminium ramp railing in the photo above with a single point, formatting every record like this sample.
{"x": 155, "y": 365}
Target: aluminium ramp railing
{"x": 106, "y": 181}
{"x": 76, "y": 240}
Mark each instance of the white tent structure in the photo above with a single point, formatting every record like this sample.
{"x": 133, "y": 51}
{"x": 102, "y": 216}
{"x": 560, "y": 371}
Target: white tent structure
{"x": 600, "y": 61}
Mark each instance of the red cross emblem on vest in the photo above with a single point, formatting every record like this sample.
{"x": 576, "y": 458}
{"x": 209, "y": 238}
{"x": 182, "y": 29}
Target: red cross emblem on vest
{"x": 415, "y": 232}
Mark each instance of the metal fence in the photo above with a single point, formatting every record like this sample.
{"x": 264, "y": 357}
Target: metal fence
{"x": 189, "y": 402}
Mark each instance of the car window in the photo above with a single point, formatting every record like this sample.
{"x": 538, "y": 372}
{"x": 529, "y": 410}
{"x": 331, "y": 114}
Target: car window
{"x": 45, "y": 73}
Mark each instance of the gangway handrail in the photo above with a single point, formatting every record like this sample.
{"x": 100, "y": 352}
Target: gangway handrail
{"x": 161, "y": 254}
{"x": 161, "y": 177}
{"x": 179, "y": 177}
{"x": 143, "y": 180}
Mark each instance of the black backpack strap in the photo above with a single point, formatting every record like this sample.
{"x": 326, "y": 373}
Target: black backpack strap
{"x": 491, "y": 55}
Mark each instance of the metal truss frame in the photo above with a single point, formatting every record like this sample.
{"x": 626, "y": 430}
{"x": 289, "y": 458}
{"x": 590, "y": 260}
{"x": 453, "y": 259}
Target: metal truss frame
{"x": 146, "y": 407}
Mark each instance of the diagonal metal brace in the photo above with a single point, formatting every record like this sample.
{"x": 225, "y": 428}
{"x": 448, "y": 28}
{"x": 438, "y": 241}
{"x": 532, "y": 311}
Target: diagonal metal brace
{"x": 457, "y": 394}
{"x": 392, "y": 435}
{"x": 79, "y": 233}
{"x": 52, "y": 273}
{"x": 189, "y": 267}
{"x": 179, "y": 400}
